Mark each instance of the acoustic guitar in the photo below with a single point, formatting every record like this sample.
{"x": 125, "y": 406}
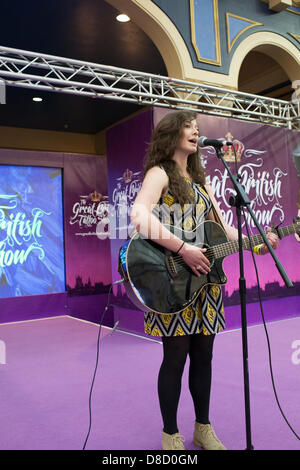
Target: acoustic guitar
{"x": 157, "y": 280}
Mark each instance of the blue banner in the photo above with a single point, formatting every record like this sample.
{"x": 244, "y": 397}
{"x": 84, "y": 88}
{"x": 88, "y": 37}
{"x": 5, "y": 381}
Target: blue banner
{"x": 31, "y": 231}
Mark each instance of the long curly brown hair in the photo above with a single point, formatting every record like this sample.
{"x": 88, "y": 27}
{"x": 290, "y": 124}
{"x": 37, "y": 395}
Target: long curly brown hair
{"x": 164, "y": 141}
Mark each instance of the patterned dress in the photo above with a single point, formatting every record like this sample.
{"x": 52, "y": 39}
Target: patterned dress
{"x": 206, "y": 314}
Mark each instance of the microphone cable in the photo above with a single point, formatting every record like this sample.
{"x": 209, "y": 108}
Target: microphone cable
{"x": 97, "y": 356}
{"x": 266, "y": 333}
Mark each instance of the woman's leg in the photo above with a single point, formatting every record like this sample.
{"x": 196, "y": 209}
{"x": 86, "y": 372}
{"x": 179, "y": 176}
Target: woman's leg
{"x": 175, "y": 350}
{"x": 200, "y": 372}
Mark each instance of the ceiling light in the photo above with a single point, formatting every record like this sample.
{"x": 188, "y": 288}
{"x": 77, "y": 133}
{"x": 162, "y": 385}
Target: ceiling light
{"x": 123, "y": 18}
{"x": 37, "y": 98}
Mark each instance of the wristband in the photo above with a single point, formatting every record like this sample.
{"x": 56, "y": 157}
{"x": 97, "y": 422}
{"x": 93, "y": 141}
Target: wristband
{"x": 176, "y": 253}
{"x": 257, "y": 248}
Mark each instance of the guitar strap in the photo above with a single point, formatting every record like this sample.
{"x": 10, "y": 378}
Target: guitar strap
{"x": 216, "y": 216}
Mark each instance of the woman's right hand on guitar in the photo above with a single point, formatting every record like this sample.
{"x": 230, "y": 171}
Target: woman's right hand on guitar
{"x": 195, "y": 258}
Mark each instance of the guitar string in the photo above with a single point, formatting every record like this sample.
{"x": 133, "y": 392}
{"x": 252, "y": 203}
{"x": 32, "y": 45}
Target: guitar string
{"x": 218, "y": 251}
{"x": 221, "y": 249}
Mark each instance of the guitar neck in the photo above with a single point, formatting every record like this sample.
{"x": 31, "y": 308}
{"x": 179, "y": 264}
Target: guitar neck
{"x": 228, "y": 248}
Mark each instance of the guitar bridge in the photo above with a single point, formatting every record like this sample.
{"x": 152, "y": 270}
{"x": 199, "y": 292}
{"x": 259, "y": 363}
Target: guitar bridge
{"x": 171, "y": 266}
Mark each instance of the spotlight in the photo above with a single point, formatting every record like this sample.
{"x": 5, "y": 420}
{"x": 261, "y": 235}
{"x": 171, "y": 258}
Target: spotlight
{"x": 123, "y": 18}
{"x": 37, "y": 98}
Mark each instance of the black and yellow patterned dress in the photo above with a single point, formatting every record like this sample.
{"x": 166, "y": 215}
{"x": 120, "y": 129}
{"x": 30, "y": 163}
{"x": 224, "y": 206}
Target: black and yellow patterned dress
{"x": 206, "y": 314}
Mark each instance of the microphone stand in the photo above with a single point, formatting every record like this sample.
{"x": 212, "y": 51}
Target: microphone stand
{"x": 241, "y": 199}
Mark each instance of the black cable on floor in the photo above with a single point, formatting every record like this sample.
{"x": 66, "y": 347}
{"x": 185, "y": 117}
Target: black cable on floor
{"x": 97, "y": 358}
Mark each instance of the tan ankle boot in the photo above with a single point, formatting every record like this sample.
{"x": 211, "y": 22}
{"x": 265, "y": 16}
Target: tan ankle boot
{"x": 172, "y": 441}
{"x": 205, "y": 437}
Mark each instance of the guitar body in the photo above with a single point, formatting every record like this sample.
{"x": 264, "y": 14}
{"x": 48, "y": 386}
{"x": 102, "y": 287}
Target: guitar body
{"x": 157, "y": 280}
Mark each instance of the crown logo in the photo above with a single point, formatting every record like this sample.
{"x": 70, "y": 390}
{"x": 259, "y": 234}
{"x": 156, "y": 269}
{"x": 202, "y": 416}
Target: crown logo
{"x": 95, "y": 197}
{"x": 228, "y": 150}
{"x": 127, "y": 175}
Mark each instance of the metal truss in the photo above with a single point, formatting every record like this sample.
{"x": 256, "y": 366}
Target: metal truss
{"x": 62, "y": 75}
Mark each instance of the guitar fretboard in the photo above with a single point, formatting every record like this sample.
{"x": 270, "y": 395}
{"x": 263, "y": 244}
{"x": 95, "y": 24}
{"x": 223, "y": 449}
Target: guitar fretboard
{"x": 228, "y": 248}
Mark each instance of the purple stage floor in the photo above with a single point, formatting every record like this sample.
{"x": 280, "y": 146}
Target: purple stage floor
{"x": 46, "y": 369}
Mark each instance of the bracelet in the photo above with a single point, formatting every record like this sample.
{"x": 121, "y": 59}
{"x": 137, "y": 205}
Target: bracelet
{"x": 176, "y": 253}
{"x": 257, "y": 248}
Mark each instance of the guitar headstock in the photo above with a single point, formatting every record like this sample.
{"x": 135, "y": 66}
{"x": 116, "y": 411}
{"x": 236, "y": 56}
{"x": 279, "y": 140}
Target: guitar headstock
{"x": 288, "y": 229}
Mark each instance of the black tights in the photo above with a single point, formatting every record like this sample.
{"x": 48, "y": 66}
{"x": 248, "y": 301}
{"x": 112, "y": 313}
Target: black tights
{"x": 199, "y": 348}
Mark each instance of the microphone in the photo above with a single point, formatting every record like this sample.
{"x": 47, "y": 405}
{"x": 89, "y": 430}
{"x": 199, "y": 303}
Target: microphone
{"x": 205, "y": 142}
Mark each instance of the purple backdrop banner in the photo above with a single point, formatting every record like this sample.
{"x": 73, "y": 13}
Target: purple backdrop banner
{"x": 88, "y": 264}
{"x": 126, "y": 148}
{"x": 268, "y": 174}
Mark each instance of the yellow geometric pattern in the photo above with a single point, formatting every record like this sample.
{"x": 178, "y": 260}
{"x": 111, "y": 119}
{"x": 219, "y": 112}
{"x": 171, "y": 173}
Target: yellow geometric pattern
{"x": 188, "y": 223}
{"x": 295, "y": 36}
{"x": 250, "y": 24}
{"x": 169, "y": 200}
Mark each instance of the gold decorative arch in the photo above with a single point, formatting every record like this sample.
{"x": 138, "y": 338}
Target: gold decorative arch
{"x": 271, "y": 44}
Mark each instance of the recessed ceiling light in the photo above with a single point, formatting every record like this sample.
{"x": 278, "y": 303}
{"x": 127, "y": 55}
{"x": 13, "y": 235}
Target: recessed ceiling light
{"x": 123, "y": 18}
{"x": 37, "y": 98}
